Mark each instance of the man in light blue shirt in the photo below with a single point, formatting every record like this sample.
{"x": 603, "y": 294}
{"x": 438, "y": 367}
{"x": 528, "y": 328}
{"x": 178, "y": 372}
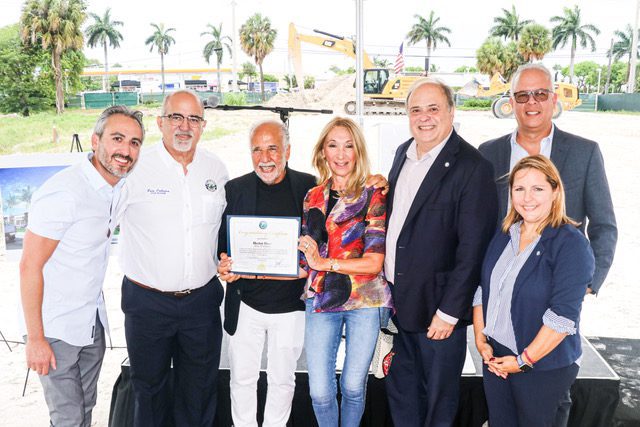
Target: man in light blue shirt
{"x": 64, "y": 260}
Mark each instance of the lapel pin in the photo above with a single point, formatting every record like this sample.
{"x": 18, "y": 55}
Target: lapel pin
{"x": 446, "y": 165}
{"x": 538, "y": 253}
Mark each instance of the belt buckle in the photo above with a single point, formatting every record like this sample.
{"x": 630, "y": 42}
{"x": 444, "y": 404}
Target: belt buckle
{"x": 180, "y": 294}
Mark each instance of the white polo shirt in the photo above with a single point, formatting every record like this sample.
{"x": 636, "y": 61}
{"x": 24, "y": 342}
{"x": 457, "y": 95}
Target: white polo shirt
{"x": 74, "y": 207}
{"x": 170, "y": 222}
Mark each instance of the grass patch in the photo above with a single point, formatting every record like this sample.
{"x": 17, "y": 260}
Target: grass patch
{"x": 466, "y": 108}
{"x": 34, "y": 134}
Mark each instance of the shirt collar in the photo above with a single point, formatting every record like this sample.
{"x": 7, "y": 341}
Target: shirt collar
{"x": 545, "y": 143}
{"x": 412, "y": 152}
{"x": 172, "y": 163}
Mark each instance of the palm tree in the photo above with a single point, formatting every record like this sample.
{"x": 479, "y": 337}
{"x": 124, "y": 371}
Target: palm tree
{"x": 248, "y": 71}
{"x": 494, "y": 57}
{"x": 103, "y": 31}
{"x": 381, "y": 62}
{"x": 427, "y": 30}
{"x": 161, "y": 40}
{"x": 56, "y": 26}
{"x": 622, "y": 46}
{"x": 25, "y": 195}
{"x": 570, "y": 29}
{"x": 535, "y": 42}
{"x": 216, "y": 45}
{"x": 257, "y": 38}
{"x": 509, "y": 25}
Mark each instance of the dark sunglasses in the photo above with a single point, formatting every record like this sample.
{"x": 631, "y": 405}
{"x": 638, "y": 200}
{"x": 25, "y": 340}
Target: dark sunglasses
{"x": 539, "y": 95}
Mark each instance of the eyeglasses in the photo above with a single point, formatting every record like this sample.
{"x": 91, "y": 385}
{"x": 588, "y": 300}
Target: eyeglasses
{"x": 177, "y": 119}
{"x": 523, "y": 96}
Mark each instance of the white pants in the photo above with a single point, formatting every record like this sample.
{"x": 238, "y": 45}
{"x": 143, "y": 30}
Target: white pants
{"x": 285, "y": 338}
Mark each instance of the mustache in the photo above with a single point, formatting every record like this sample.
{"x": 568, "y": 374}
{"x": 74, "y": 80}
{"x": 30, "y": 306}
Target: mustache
{"x": 182, "y": 132}
{"x": 127, "y": 158}
{"x": 267, "y": 165}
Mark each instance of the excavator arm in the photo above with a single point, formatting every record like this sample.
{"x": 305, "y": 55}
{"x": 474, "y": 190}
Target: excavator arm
{"x": 336, "y": 43}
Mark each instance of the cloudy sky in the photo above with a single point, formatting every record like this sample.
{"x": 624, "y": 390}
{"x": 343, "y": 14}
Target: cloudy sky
{"x": 386, "y": 24}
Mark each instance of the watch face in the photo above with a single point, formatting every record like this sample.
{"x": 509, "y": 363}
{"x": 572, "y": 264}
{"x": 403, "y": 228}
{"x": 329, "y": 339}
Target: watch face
{"x": 525, "y": 368}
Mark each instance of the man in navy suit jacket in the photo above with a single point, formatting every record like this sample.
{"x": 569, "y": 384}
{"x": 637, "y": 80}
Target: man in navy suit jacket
{"x": 442, "y": 212}
{"x": 578, "y": 160}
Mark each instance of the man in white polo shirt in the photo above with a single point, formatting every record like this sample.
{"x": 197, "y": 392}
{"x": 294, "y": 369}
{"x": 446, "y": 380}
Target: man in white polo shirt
{"x": 170, "y": 292}
{"x": 64, "y": 259}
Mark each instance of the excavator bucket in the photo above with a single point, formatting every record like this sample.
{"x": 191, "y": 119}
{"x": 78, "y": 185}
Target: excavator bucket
{"x": 470, "y": 89}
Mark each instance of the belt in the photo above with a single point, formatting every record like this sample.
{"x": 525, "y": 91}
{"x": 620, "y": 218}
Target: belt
{"x": 176, "y": 294}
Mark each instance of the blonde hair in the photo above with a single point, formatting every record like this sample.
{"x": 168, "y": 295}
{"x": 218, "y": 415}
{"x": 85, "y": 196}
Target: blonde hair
{"x": 360, "y": 173}
{"x": 558, "y": 214}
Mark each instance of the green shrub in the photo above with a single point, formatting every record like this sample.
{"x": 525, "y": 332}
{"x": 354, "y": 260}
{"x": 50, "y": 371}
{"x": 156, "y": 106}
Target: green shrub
{"x": 477, "y": 103}
{"x": 234, "y": 98}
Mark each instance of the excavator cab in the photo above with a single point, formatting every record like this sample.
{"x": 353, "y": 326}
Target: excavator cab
{"x": 374, "y": 80}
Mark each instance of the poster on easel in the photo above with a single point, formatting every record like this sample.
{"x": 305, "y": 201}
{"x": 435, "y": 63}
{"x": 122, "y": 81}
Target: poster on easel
{"x": 20, "y": 177}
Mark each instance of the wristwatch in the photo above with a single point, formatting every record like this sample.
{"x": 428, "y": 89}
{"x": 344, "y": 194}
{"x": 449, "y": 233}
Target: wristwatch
{"x": 524, "y": 366}
{"x": 334, "y": 264}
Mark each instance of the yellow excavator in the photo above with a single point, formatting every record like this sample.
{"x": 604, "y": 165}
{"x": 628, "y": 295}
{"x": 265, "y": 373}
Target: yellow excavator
{"x": 384, "y": 92}
{"x": 568, "y": 96}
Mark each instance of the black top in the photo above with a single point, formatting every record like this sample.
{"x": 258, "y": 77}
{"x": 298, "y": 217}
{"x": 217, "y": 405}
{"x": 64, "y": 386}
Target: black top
{"x": 334, "y": 195}
{"x": 274, "y": 296}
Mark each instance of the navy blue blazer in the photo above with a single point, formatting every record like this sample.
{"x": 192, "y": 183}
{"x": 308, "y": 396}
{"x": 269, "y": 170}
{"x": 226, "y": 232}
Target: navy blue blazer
{"x": 587, "y": 194}
{"x": 442, "y": 243}
{"x": 554, "y": 277}
{"x": 241, "y": 194}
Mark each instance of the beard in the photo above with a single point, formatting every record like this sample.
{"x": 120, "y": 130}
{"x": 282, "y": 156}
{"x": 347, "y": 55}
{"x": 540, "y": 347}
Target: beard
{"x": 270, "y": 177}
{"x": 180, "y": 145}
{"x": 110, "y": 164}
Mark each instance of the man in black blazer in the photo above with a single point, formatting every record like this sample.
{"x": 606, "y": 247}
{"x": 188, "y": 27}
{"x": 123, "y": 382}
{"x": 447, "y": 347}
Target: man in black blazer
{"x": 578, "y": 160}
{"x": 442, "y": 212}
{"x": 265, "y": 306}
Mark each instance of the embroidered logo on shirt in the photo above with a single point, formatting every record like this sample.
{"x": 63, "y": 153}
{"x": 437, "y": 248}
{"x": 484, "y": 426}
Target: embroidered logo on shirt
{"x": 158, "y": 191}
{"x": 210, "y": 185}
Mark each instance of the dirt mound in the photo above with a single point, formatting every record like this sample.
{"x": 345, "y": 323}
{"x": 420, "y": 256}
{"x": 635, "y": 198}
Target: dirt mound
{"x": 332, "y": 94}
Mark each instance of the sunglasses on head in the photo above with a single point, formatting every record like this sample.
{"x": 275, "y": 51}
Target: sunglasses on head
{"x": 539, "y": 95}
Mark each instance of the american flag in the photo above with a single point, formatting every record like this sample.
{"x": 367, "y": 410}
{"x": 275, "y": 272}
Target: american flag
{"x": 399, "y": 66}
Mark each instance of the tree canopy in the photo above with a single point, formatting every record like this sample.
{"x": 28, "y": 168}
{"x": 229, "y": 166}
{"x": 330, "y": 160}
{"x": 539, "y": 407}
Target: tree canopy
{"x": 429, "y": 31}
{"x": 509, "y": 25}
{"x": 257, "y": 37}
{"x": 570, "y": 29}
{"x": 160, "y": 40}
{"x": 55, "y": 25}
{"x": 103, "y": 32}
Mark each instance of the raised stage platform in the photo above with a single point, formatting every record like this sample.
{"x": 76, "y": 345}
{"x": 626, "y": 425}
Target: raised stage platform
{"x": 595, "y": 395}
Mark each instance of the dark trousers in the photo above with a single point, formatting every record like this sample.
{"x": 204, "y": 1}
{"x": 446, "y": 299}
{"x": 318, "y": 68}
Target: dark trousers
{"x": 161, "y": 328}
{"x": 526, "y": 399}
{"x": 562, "y": 416}
{"x": 423, "y": 385}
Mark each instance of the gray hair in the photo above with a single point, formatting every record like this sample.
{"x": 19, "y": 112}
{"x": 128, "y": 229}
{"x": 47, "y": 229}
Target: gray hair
{"x": 167, "y": 98}
{"x": 136, "y": 115}
{"x": 284, "y": 132}
{"x": 526, "y": 67}
{"x": 448, "y": 92}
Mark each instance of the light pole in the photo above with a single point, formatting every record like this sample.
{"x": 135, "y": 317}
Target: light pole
{"x": 631, "y": 84}
{"x": 234, "y": 41}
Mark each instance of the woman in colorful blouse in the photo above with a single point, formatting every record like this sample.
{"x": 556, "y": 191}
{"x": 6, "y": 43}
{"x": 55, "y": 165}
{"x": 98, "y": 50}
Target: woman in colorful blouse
{"x": 343, "y": 243}
{"x": 526, "y": 312}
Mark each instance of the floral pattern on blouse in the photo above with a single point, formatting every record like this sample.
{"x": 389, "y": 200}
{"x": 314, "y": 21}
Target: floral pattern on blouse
{"x": 352, "y": 229}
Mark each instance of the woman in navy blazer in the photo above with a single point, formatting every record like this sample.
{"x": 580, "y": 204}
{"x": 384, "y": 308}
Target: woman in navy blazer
{"x": 526, "y": 311}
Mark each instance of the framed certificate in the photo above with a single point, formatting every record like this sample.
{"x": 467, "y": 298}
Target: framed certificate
{"x": 263, "y": 245}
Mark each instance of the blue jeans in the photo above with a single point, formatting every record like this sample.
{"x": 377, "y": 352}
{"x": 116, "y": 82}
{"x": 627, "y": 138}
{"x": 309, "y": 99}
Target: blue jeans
{"x": 323, "y": 332}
